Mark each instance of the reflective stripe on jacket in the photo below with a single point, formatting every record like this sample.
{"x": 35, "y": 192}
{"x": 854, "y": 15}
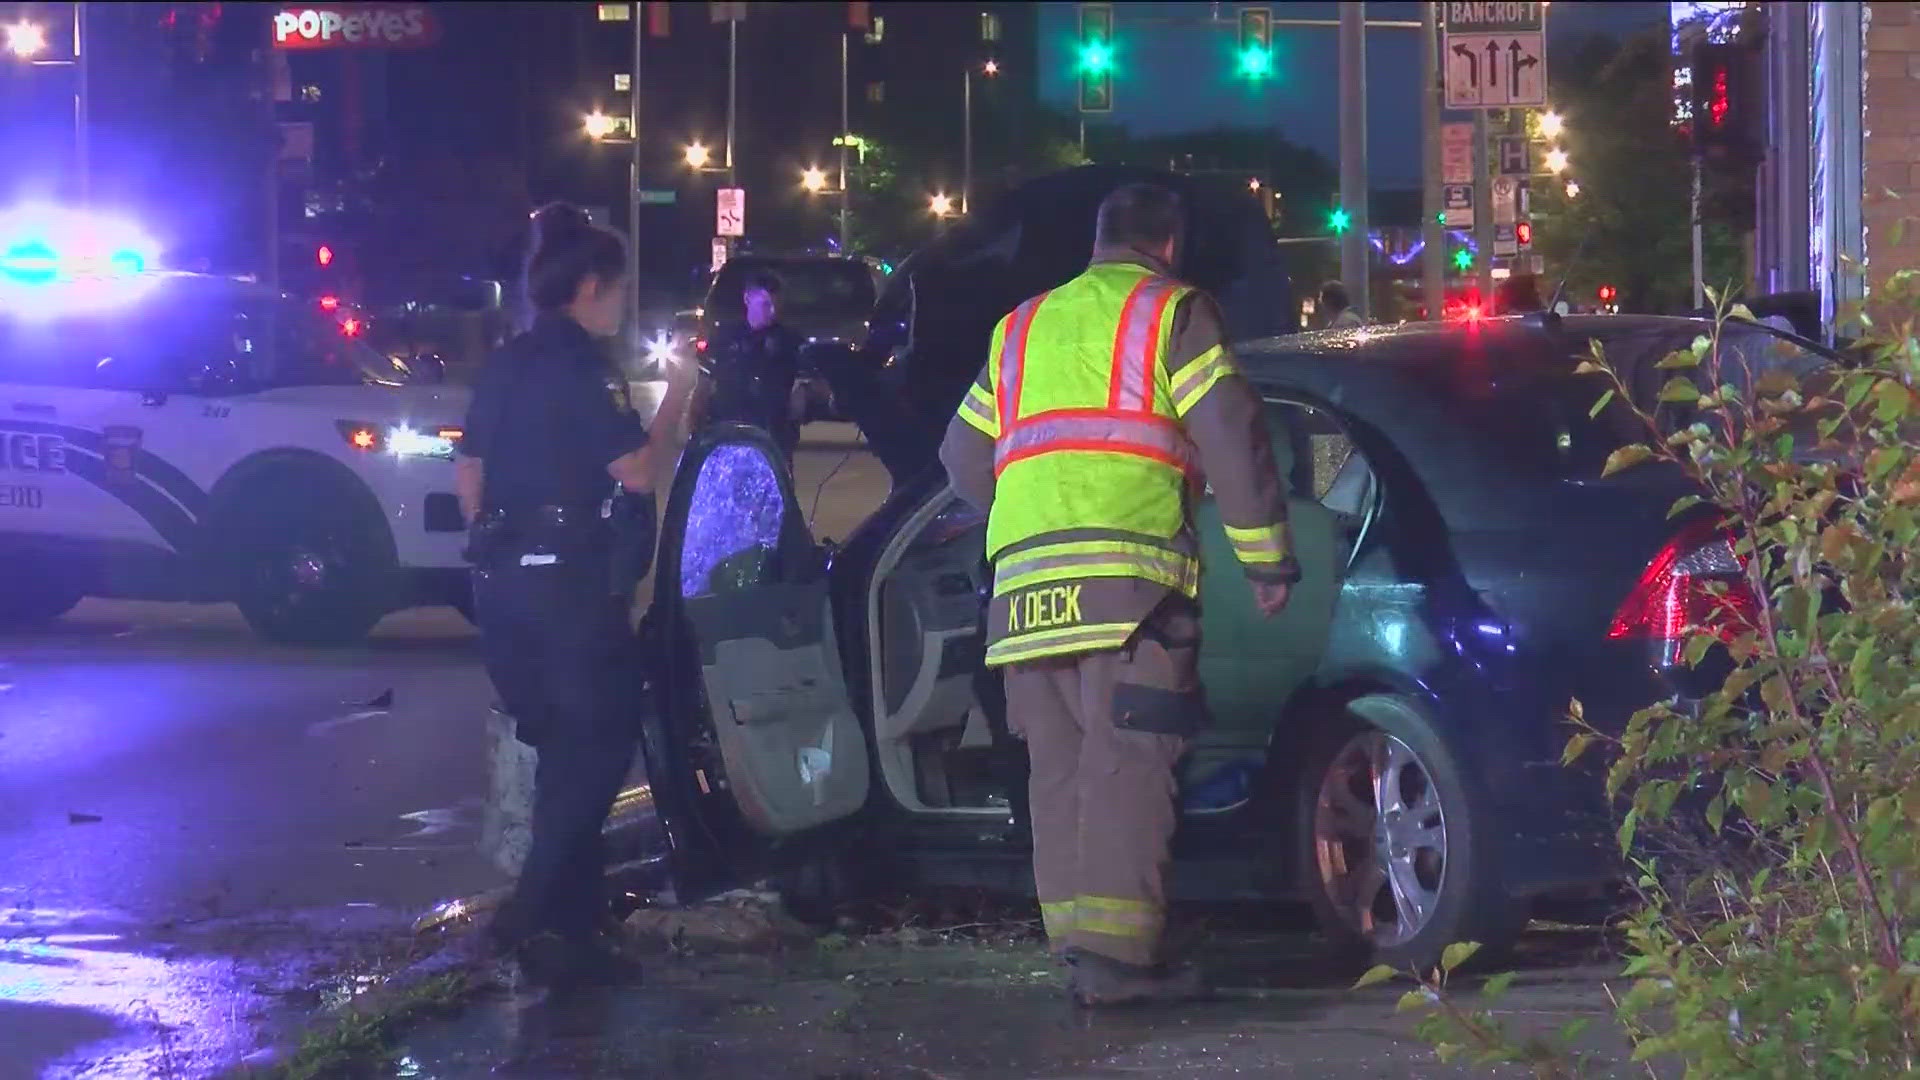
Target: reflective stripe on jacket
{"x": 1091, "y": 412}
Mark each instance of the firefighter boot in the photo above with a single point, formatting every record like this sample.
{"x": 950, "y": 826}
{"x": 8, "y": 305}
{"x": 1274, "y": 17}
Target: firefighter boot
{"x": 1098, "y": 981}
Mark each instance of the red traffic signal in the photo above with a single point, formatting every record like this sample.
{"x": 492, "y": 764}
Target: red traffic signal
{"x": 324, "y": 256}
{"x": 1725, "y": 114}
{"x": 1523, "y": 234}
{"x": 1608, "y": 293}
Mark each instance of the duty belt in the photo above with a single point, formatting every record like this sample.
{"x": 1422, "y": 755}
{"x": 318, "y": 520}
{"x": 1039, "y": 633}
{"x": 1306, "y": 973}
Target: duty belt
{"x": 547, "y": 534}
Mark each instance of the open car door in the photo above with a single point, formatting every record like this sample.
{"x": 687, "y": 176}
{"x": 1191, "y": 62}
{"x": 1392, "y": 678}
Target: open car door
{"x": 754, "y": 750}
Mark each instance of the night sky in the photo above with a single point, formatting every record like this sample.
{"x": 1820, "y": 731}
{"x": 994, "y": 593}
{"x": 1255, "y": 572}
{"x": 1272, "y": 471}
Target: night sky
{"x": 1177, "y": 76}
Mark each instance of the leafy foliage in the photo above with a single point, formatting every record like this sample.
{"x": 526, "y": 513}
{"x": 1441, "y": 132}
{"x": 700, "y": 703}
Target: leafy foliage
{"x": 1772, "y": 825}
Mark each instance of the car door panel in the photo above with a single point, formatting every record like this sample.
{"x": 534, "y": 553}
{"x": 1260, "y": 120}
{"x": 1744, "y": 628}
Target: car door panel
{"x": 787, "y": 734}
{"x": 755, "y": 752}
{"x": 1251, "y": 665}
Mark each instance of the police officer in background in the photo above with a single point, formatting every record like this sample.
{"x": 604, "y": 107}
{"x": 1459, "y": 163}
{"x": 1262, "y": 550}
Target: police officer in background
{"x": 755, "y": 365}
{"x": 556, "y": 477}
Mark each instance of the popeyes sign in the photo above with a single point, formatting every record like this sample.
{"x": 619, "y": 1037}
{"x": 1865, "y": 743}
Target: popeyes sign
{"x": 365, "y": 26}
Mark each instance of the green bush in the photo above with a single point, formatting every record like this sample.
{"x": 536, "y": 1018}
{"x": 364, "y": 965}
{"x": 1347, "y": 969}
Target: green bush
{"x": 1774, "y": 830}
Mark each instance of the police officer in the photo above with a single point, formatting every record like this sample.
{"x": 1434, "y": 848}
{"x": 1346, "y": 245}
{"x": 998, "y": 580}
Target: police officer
{"x": 556, "y": 478}
{"x": 755, "y": 366}
{"x": 1082, "y": 439}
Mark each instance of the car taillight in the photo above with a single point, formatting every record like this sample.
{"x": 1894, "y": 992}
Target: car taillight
{"x": 1672, "y": 599}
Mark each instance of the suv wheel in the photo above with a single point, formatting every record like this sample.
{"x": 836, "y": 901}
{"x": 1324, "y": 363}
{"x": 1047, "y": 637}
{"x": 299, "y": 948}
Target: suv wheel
{"x": 35, "y": 596}
{"x": 1398, "y": 851}
{"x": 313, "y": 570}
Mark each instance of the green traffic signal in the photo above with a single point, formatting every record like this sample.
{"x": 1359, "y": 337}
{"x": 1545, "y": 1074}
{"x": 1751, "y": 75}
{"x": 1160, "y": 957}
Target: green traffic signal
{"x": 1339, "y": 220}
{"x": 1096, "y": 58}
{"x": 1256, "y": 63}
{"x": 1463, "y": 260}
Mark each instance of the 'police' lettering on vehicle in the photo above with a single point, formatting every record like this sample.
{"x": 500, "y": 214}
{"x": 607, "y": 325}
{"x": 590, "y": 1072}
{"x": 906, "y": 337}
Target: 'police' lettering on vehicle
{"x": 1037, "y": 609}
{"x": 22, "y": 451}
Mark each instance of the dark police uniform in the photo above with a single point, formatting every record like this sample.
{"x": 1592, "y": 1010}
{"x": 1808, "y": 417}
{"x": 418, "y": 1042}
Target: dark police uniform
{"x": 753, "y": 378}
{"x": 550, "y": 412}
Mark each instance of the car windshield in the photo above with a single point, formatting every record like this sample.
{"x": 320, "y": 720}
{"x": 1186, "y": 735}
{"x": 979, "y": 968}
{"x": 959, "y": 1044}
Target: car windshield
{"x": 815, "y": 294}
{"x": 193, "y": 335}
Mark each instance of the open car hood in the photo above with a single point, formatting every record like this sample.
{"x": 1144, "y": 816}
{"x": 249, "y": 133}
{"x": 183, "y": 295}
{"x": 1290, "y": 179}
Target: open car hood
{"x": 932, "y": 325}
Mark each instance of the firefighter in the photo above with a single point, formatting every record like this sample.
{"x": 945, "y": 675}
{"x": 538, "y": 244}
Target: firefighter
{"x": 555, "y": 476}
{"x": 1083, "y": 439}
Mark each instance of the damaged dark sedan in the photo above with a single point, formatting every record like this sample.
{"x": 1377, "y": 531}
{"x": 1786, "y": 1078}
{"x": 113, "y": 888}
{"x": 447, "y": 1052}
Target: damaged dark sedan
{"x": 1387, "y": 749}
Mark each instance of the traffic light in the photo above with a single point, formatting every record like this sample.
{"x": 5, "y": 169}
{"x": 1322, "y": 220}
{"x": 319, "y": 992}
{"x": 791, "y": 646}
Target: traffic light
{"x": 1339, "y": 220}
{"x": 1094, "y": 63}
{"x": 323, "y": 256}
{"x": 1724, "y": 111}
{"x": 1256, "y": 43}
{"x": 1523, "y": 234}
{"x": 1608, "y": 294}
{"x": 1462, "y": 260}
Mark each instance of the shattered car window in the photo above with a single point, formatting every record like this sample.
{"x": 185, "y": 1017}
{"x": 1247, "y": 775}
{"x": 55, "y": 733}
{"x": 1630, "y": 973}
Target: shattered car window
{"x": 733, "y": 526}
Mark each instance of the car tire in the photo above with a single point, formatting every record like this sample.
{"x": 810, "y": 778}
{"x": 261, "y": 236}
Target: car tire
{"x": 34, "y": 597}
{"x": 1399, "y": 856}
{"x": 315, "y": 568}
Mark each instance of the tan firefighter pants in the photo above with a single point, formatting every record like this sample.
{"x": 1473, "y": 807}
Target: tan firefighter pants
{"x": 1104, "y": 731}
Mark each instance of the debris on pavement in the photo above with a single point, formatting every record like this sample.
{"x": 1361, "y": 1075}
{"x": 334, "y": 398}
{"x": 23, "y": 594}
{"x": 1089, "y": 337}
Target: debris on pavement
{"x": 740, "y": 921}
{"x": 74, "y": 818}
{"x": 381, "y": 702}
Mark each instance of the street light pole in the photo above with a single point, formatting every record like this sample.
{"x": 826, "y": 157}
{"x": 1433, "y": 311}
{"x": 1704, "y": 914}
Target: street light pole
{"x": 846, "y": 130}
{"x": 633, "y": 165}
{"x": 82, "y": 105}
{"x": 1353, "y": 154}
{"x": 966, "y": 141}
{"x": 733, "y": 83}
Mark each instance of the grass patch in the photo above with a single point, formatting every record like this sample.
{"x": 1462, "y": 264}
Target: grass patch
{"x": 360, "y": 1038}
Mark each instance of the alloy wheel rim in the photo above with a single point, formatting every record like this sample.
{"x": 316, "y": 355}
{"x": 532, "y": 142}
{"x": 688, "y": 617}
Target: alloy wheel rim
{"x": 1380, "y": 838}
{"x": 297, "y": 575}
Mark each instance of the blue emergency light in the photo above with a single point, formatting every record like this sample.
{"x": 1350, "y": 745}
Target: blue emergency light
{"x": 55, "y": 261}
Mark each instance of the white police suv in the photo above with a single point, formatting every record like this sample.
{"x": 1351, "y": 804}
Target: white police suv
{"x": 177, "y": 436}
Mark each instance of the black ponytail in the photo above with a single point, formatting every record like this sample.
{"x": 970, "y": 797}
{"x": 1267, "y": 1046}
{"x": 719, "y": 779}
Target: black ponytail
{"x": 568, "y": 247}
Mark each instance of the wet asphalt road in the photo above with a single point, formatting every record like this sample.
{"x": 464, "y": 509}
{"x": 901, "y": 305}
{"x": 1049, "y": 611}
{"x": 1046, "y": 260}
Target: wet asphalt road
{"x": 167, "y": 780}
{"x": 198, "y": 828}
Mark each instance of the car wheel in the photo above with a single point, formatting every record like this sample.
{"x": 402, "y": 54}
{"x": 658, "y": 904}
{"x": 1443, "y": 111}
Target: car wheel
{"x": 314, "y": 571}
{"x": 1400, "y": 860}
{"x": 33, "y": 597}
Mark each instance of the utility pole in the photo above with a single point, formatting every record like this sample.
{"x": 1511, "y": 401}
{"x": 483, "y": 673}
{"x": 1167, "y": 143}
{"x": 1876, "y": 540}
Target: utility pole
{"x": 1699, "y": 253}
{"x": 633, "y": 166}
{"x": 1484, "y": 163}
{"x": 1353, "y": 155}
{"x": 1433, "y": 235}
{"x": 846, "y": 126}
